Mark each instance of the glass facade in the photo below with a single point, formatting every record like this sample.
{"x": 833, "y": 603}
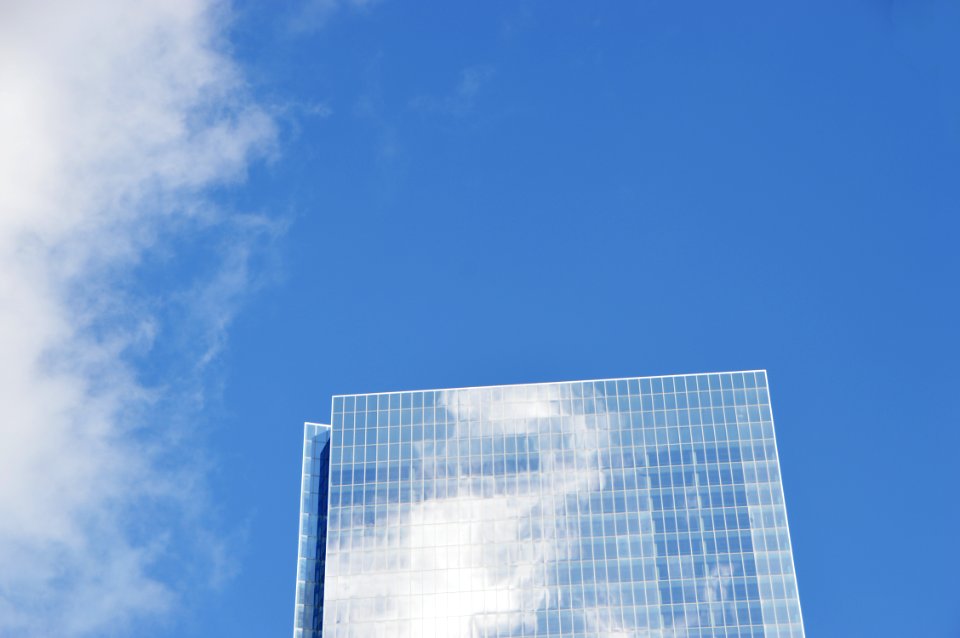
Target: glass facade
{"x": 628, "y": 507}
{"x": 314, "y": 495}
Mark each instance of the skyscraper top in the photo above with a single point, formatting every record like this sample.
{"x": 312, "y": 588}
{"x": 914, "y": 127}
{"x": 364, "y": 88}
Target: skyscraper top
{"x": 619, "y": 507}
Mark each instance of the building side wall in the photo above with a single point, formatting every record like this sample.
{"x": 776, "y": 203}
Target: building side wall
{"x": 314, "y": 495}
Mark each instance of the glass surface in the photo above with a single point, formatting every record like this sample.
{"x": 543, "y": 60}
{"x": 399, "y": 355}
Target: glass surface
{"x": 628, "y": 507}
{"x": 314, "y": 493}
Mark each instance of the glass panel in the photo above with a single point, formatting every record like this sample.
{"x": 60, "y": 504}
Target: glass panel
{"x": 646, "y": 506}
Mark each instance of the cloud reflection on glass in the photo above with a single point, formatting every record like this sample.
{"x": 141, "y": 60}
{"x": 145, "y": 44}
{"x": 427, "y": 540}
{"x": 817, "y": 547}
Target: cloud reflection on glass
{"x": 630, "y": 507}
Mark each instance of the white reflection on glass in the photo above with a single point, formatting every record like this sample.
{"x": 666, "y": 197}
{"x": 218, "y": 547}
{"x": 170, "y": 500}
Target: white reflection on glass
{"x": 638, "y": 507}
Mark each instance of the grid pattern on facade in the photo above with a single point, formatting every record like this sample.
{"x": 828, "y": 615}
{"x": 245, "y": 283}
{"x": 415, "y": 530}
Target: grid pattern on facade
{"x": 314, "y": 494}
{"x": 629, "y": 507}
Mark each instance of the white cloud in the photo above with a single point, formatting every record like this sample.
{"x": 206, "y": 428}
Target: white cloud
{"x": 115, "y": 117}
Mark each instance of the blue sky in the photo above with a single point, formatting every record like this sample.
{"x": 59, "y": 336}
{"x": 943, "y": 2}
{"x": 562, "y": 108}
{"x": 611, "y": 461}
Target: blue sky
{"x": 245, "y": 211}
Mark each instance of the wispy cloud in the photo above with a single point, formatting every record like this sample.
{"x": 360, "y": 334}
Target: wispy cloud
{"x": 115, "y": 119}
{"x": 312, "y": 15}
{"x": 373, "y": 107}
{"x": 462, "y": 98}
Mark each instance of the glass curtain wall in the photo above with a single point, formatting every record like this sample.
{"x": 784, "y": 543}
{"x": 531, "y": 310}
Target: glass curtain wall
{"x": 628, "y": 507}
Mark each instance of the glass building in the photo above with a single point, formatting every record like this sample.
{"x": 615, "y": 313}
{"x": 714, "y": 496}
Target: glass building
{"x": 647, "y": 507}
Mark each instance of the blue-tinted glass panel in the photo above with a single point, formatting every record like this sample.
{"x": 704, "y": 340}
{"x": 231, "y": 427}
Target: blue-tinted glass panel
{"x": 629, "y": 507}
{"x": 311, "y": 561}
